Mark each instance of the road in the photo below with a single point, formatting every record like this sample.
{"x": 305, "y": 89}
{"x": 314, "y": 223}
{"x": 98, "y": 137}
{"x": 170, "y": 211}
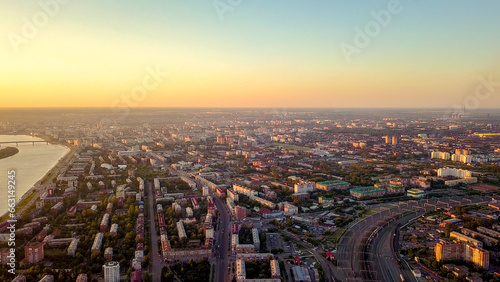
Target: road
{"x": 222, "y": 242}
{"x": 156, "y": 263}
{"x": 383, "y": 253}
{"x": 355, "y": 263}
{"x": 222, "y": 259}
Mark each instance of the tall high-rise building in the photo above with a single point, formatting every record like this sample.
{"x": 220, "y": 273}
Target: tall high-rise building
{"x": 304, "y": 187}
{"x": 462, "y": 251}
{"x": 111, "y": 271}
{"x": 395, "y": 140}
{"x": 454, "y": 172}
{"x": 446, "y": 251}
{"x": 440, "y": 155}
{"x": 221, "y": 139}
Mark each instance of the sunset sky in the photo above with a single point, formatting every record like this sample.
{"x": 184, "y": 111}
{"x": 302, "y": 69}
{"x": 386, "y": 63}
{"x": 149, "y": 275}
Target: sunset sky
{"x": 261, "y": 53}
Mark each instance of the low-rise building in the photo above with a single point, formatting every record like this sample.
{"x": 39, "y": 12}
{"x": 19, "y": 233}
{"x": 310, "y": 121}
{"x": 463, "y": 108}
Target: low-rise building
{"x": 464, "y": 238}
{"x": 367, "y": 192}
{"x": 81, "y": 277}
{"x": 415, "y": 193}
{"x": 104, "y": 222}
{"x": 96, "y": 246}
{"x": 241, "y": 273}
{"x": 245, "y": 248}
{"x": 33, "y": 252}
{"x": 240, "y": 212}
{"x": 181, "y": 230}
{"x": 255, "y": 238}
{"x": 275, "y": 269}
{"x": 333, "y": 184}
{"x": 304, "y": 187}
{"x": 290, "y": 209}
{"x": 72, "y": 247}
{"x": 113, "y": 229}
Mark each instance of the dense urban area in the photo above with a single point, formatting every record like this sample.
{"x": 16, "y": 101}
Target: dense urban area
{"x": 259, "y": 195}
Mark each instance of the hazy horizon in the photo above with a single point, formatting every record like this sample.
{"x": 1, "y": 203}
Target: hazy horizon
{"x": 253, "y": 107}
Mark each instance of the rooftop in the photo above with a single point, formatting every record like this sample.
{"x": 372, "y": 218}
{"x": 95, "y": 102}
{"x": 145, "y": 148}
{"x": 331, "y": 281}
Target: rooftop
{"x": 367, "y": 190}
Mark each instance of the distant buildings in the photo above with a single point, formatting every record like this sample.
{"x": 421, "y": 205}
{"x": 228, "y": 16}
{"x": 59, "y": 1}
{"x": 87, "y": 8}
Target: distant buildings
{"x": 440, "y": 155}
{"x": 454, "y": 172}
{"x": 265, "y": 202}
{"x": 467, "y": 239}
{"x": 415, "y": 193}
{"x": 245, "y": 191}
{"x": 333, "y": 184}
{"x": 454, "y": 182}
{"x": 304, "y": 187}
{"x": 465, "y": 176}
{"x": 461, "y": 158}
{"x": 290, "y": 209}
{"x": 391, "y": 139}
{"x": 367, "y": 192}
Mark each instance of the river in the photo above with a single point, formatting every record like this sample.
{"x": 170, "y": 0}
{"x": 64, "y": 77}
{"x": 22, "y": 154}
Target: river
{"x": 31, "y": 164}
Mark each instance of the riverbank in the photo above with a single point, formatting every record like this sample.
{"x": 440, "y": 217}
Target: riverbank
{"x": 28, "y": 200}
{"x": 41, "y": 179}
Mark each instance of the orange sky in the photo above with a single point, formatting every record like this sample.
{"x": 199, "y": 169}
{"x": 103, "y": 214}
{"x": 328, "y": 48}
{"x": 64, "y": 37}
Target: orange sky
{"x": 289, "y": 57}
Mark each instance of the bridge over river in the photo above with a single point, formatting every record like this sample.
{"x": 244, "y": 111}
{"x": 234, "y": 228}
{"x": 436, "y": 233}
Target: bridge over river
{"x": 23, "y": 142}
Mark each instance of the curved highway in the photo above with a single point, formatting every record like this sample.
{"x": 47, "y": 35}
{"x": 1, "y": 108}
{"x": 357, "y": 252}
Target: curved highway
{"x": 384, "y": 253}
{"x": 356, "y": 262}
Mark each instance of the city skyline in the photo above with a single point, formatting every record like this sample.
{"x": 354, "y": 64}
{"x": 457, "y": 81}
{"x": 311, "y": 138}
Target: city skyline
{"x": 249, "y": 54}
{"x": 235, "y": 194}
